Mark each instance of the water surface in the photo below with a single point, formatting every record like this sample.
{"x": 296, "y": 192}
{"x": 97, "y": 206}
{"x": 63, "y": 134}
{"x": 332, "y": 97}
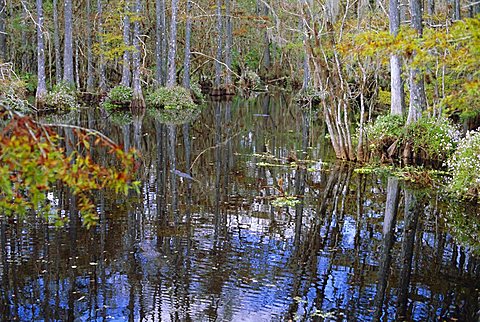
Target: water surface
{"x": 213, "y": 248}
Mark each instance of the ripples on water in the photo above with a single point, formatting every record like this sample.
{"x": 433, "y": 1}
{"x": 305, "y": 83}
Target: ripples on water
{"x": 333, "y": 257}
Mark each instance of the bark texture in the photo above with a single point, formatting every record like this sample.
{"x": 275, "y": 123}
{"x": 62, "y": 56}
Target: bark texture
{"x": 102, "y": 79}
{"x": 172, "y": 49}
{"x": 3, "y": 35}
{"x": 90, "y": 71}
{"x": 160, "y": 43}
{"x": 126, "y": 75}
{"x": 188, "y": 35}
{"x": 42, "y": 86}
{"x": 68, "y": 46}
{"x": 397, "y": 104}
{"x": 138, "y": 101}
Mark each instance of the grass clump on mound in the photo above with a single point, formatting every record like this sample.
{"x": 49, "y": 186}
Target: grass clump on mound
{"x": 62, "y": 97}
{"x": 171, "y": 98}
{"x": 429, "y": 138}
{"x": 464, "y": 165}
{"x": 119, "y": 97}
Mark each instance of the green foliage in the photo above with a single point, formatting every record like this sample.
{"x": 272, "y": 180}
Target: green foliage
{"x": 62, "y": 97}
{"x": 174, "y": 116}
{"x": 170, "y": 98}
{"x": 120, "y": 96}
{"x": 464, "y": 224}
{"x": 285, "y": 201}
{"x": 435, "y": 139}
{"x": 464, "y": 165}
{"x": 12, "y": 95}
{"x": 33, "y": 162}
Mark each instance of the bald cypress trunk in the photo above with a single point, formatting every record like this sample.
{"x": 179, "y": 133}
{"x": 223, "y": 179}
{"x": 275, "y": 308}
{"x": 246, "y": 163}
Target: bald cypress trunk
{"x": 397, "y": 105}
{"x": 126, "y": 75}
{"x": 102, "y": 81}
{"x": 68, "y": 47}
{"x": 456, "y": 10}
{"x": 228, "y": 44}
{"x": 90, "y": 78}
{"x": 172, "y": 49}
{"x": 417, "y": 90}
{"x": 188, "y": 35}
{"x": 56, "y": 43}
{"x": 218, "y": 66}
{"x": 160, "y": 42}
{"x": 41, "y": 87}
{"x": 3, "y": 35}
{"x": 137, "y": 100}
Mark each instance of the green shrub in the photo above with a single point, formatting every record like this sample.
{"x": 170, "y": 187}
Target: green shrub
{"x": 437, "y": 138}
{"x": 62, "y": 96}
{"x": 464, "y": 165}
{"x": 432, "y": 139}
{"x": 120, "y": 96}
{"x": 171, "y": 98}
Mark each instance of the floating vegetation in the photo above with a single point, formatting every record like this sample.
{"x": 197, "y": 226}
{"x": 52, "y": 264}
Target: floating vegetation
{"x": 119, "y": 97}
{"x": 285, "y": 201}
{"x": 61, "y": 97}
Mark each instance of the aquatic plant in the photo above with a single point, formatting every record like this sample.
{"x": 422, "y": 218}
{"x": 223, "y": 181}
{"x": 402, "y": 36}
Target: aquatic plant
{"x": 119, "y": 97}
{"x": 62, "y": 97}
{"x": 170, "y": 98}
{"x": 464, "y": 165}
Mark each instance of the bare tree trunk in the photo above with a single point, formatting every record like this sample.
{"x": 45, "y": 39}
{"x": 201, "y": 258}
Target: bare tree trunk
{"x": 102, "y": 80}
{"x": 172, "y": 50}
{"x": 160, "y": 42}
{"x": 266, "y": 40}
{"x": 56, "y": 43}
{"x": 456, "y": 10}
{"x": 397, "y": 106}
{"x": 68, "y": 47}
{"x": 228, "y": 44}
{"x": 417, "y": 90}
{"x": 137, "y": 98}
{"x": 90, "y": 77}
{"x": 431, "y": 7}
{"x": 3, "y": 35}
{"x": 126, "y": 75}
{"x": 218, "y": 66}
{"x": 42, "y": 86}
{"x": 188, "y": 35}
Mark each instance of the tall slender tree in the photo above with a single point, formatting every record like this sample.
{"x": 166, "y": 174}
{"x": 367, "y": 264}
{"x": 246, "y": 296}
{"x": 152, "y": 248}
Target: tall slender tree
{"x": 188, "y": 36}
{"x": 42, "y": 86}
{"x": 3, "y": 35}
{"x": 138, "y": 101}
{"x": 228, "y": 42}
{"x": 160, "y": 42}
{"x": 68, "y": 45}
{"x": 90, "y": 71}
{"x": 218, "y": 60}
{"x": 126, "y": 75}
{"x": 397, "y": 106}
{"x": 56, "y": 43}
{"x": 417, "y": 89}
{"x": 102, "y": 79}
{"x": 172, "y": 49}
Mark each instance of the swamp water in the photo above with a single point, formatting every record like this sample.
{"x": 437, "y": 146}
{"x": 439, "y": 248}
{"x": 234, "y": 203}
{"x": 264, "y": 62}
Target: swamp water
{"x": 324, "y": 252}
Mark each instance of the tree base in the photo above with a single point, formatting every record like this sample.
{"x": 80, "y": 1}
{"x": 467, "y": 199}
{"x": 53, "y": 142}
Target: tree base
{"x": 138, "y": 103}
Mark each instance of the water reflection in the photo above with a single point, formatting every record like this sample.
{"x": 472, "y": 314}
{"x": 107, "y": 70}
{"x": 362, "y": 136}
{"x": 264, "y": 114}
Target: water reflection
{"x": 203, "y": 242}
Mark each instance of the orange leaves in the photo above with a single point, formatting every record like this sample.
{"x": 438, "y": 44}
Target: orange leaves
{"x": 33, "y": 161}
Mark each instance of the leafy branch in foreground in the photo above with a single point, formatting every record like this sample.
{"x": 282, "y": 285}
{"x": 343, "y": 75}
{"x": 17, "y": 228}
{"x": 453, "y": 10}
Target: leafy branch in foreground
{"x": 32, "y": 161}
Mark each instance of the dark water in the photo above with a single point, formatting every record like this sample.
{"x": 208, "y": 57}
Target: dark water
{"x": 332, "y": 256}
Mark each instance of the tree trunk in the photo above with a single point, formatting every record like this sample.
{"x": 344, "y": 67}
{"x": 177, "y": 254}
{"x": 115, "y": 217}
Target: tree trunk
{"x": 266, "y": 41}
{"x": 56, "y": 43}
{"x": 188, "y": 34}
{"x": 160, "y": 42}
{"x": 397, "y": 105}
{"x": 68, "y": 47}
{"x": 417, "y": 91}
{"x": 42, "y": 86}
{"x": 218, "y": 65}
{"x": 126, "y": 75}
{"x": 172, "y": 50}
{"x": 137, "y": 98}
{"x": 431, "y": 7}
{"x": 228, "y": 44}
{"x": 3, "y": 35}
{"x": 90, "y": 78}
{"x": 102, "y": 80}
{"x": 456, "y": 10}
